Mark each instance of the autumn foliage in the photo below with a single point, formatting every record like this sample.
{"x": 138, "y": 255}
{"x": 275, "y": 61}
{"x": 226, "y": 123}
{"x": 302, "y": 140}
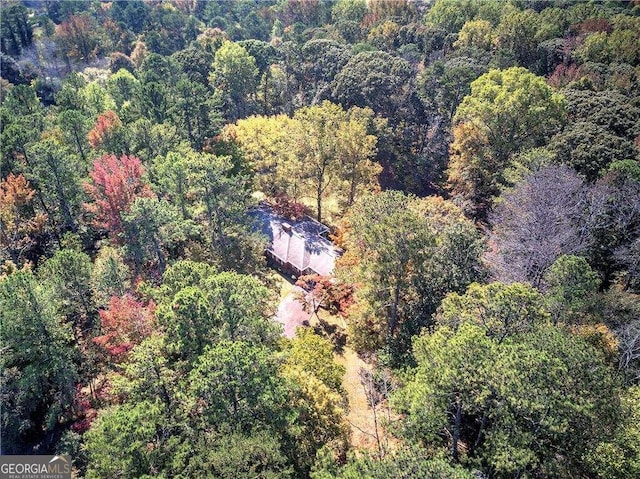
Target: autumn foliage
{"x": 77, "y": 37}
{"x": 285, "y": 206}
{"x": 16, "y": 221}
{"x": 117, "y": 182}
{"x": 565, "y": 74}
{"x": 124, "y": 324}
{"x": 104, "y": 129}
{"x": 324, "y": 292}
{"x": 84, "y": 409}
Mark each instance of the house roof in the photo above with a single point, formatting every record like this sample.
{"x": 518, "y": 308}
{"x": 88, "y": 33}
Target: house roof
{"x": 298, "y": 243}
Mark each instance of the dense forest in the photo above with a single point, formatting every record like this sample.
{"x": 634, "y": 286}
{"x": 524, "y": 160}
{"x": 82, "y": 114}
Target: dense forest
{"x": 476, "y": 161}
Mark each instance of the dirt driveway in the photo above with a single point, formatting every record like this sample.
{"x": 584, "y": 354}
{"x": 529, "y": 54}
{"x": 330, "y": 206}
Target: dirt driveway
{"x": 290, "y": 312}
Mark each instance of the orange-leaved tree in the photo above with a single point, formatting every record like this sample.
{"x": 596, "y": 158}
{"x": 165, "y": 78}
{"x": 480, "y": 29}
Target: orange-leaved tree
{"x": 18, "y": 222}
{"x": 106, "y": 133}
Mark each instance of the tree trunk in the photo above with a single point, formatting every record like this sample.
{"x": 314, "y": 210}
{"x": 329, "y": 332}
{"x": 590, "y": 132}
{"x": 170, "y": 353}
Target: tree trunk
{"x": 319, "y": 205}
{"x": 483, "y": 423}
{"x": 183, "y": 206}
{"x": 162, "y": 262}
{"x": 62, "y": 199}
{"x": 79, "y": 144}
{"x": 265, "y": 92}
{"x": 37, "y": 188}
{"x": 393, "y": 320}
{"x": 456, "y": 430}
{"x": 352, "y": 189}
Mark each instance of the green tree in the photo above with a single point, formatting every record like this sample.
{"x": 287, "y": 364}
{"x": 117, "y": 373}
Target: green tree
{"x": 159, "y": 69}
{"x": 403, "y": 254}
{"x": 153, "y": 101}
{"x": 148, "y": 375}
{"x": 571, "y": 288}
{"x": 501, "y": 310}
{"x": 357, "y": 147}
{"x": 315, "y": 398}
{"x": 221, "y": 201}
{"x": 452, "y": 15}
{"x": 590, "y": 148}
{"x": 196, "y": 63}
{"x": 242, "y": 307}
{"x": 127, "y": 439}
{"x": 314, "y": 354}
{"x": 324, "y": 150}
{"x": 69, "y": 97}
{"x": 316, "y": 145}
{"x": 68, "y": 273}
{"x": 376, "y": 80}
{"x": 518, "y": 35}
{"x": 214, "y": 307}
{"x": 22, "y": 118}
{"x": 183, "y": 274}
{"x": 110, "y": 276}
{"x": 187, "y": 320}
{"x": 152, "y": 229}
{"x": 95, "y": 99}
{"x": 57, "y": 173}
{"x": 170, "y": 175}
{"x": 38, "y": 370}
{"x": 149, "y": 140}
{"x": 173, "y": 30}
{"x": 265, "y": 55}
{"x": 238, "y": 386}
{"x": 235, "y": 73}
{"x": 17, "y": 31}
{"x": 532, "y": 404}
{"x": 320, "y": 62}
{"x": 387, "y": 265}
{"x": 607, "y": 109}
{"x": 232, "y": 455}
{"x": 353, "y": 10}
{"x": 266, "y": 144}
{"x": 619, "y": 458}
{"x": 75, "y": 126}
{"x": 196, "y": 113}
{"x": 476, "y": 34}
{"x": 228, "y": 377}
{"x": 406, "y": 462}
{"x": 507, "y": 110}
{"x": 443, "y": 85}
{"x": 123, "y": 87}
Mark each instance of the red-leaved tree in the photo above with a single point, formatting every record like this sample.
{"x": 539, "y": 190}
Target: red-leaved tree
{"x": 117, "y": 182}
{"x": 124, "y": 324}
{"x": 84, "y": 410}
{"x": 290, "y": 209}
{"x": 324, "y": 292}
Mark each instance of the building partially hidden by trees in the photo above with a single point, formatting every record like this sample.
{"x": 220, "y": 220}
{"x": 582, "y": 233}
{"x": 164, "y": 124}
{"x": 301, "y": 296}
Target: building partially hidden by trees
{"x": 297, "y": 246}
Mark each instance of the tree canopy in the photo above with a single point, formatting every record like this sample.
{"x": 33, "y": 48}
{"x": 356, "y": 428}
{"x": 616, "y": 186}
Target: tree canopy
{"x": 459, "y": 180}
